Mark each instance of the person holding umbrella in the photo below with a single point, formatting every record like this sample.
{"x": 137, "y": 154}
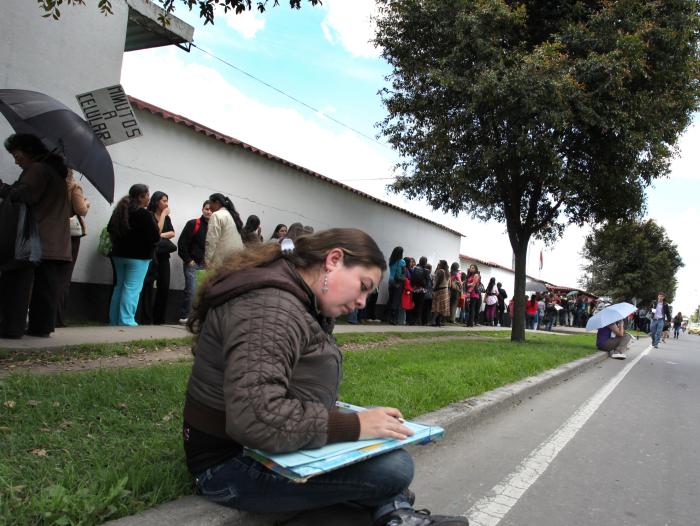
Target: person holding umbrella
{"x": 42, "y": 188}
{"x": 611, "y": 331}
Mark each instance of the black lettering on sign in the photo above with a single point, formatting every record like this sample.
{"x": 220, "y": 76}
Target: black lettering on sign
{"x": 109, "y": 115}
{"x": 129, "y": 124}
{"x": 135, "y": 132}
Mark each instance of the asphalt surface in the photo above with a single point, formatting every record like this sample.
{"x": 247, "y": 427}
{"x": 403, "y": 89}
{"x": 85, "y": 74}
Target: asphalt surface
{"x": 631, "y": 460}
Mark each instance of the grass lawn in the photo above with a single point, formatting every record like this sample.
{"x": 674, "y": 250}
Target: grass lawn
{"x": 80, "y": 448}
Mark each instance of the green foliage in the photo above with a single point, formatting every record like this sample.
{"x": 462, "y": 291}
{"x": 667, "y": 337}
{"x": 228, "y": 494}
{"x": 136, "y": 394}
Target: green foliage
{"x": 631, "y": 259}
{"x": 537, "y": 114}
{"x": 207, "y": 8}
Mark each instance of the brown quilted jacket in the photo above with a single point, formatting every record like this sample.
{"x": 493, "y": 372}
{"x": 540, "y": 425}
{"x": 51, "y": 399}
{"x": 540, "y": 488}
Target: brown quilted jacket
{"x": 265, "y": 365}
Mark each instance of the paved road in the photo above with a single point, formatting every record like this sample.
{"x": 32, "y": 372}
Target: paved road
{"x": 617, "y": 445}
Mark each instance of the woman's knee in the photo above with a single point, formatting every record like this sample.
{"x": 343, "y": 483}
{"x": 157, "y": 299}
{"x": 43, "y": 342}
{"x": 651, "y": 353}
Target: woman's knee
{"x": 397, "y": 467}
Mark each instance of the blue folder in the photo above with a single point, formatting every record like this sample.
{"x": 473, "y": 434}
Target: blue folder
{"x": 301, "y": 465}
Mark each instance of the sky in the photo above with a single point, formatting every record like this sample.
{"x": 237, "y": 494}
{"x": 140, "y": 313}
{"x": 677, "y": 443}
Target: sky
{"x": 323, "y": 58}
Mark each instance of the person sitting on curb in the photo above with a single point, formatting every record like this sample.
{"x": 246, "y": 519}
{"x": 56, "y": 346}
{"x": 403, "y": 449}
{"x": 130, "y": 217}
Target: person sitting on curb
{"x": 266, "y": 375}
{"x": 613, "y": 340}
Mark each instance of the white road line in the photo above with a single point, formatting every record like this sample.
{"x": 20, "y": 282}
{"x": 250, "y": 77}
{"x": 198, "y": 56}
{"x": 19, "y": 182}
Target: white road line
{"x": 489, "y": 510}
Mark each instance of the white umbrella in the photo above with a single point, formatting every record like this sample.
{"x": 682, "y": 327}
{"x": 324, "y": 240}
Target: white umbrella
{"x": 610, "y": 315}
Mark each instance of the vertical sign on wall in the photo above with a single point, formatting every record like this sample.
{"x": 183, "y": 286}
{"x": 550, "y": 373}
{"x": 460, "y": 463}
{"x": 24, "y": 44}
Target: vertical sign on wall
{"x": 110, "y": 115}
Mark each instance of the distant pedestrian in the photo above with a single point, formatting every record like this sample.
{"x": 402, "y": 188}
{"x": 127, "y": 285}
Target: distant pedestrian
{"x": 295, "y": 230}
{"x": 251, "y": 231}
{"x": 397, "y": 266}
{"x": 531, "y": 312}
{"x": 455, "y": 290}
{"x": 79, "y": 207}
{"x": 491, "y": 302}
{"x": 134, "y": 233}
{"x": 677, "y": 324}
{"x": 279, "y": 233}
{"x": 153, "y": 307}
{"x": 190, "y": 248}
{"x": 224, "y": 232}
{"x": 441, "y": 294}
{"x": 502, "y": 296}
{"x": 661, "y": 313}
{"x": 427, "y": 314}
{"x": 26, "y": 289}
{"x": 419, "y": 282}
{"x": 473, "y": 294}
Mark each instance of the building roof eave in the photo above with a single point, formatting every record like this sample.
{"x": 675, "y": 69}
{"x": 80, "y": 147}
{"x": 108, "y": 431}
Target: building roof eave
{"x": 209, "y": 132}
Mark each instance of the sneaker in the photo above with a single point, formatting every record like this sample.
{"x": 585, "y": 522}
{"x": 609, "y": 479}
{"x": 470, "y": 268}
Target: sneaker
{"x": 409, "y": 517}
{"x": 182, "y": 321}
{"x": 617, "y": 355}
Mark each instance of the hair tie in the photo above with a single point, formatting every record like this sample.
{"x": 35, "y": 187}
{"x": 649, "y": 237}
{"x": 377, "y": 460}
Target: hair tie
{"x": 287, "y": 245}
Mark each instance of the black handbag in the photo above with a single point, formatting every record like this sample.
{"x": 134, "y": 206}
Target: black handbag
{"x": 165, "y": 246}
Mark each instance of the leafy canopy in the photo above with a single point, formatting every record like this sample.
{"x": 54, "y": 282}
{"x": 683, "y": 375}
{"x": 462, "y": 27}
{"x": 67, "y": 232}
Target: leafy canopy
{"x": 207, "y": 8}
{"x": 537, "y": 113}
{"x": 631, "y": 259}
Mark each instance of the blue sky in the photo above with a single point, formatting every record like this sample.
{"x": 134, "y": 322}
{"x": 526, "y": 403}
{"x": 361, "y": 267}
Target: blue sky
{"x": 322, "y": 57}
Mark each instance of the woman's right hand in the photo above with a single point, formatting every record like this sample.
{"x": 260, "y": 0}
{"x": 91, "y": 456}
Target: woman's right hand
{"x": 383, "y": 422}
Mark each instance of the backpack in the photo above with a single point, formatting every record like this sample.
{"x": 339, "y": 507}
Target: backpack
{"x": 418, "y": 277}
{"x": 104, "y": 245}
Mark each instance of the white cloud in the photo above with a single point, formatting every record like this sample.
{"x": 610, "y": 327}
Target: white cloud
{"x": 687, "y": 165}
{"x": 681, "y": 228}
{"x": 310, "y": 140}
{"x": 247, "y": 24}
{"x": 352, "y": 24}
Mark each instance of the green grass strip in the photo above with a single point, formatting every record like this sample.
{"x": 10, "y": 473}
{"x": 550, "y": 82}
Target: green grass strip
{"x": 81, "y": 448}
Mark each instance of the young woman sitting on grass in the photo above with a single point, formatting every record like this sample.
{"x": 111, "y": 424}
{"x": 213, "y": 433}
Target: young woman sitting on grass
{"x": 266, "y": 375}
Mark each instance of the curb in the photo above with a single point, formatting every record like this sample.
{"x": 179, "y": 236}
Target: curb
{"x": 196, "y": 511}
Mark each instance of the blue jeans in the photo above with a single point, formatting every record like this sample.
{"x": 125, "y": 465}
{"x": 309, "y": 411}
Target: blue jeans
{"x": 379, "y": 483}
{"x": 189, "y": 289}
{"x": 657, "y": 327}
{"x": 125, "y": 298}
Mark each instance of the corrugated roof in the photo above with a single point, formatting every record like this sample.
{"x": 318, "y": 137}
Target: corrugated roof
{"x": 205, "y": 130}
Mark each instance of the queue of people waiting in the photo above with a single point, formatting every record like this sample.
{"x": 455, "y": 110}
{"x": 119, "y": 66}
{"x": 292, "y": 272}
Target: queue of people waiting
{"x": 141, "y": 235}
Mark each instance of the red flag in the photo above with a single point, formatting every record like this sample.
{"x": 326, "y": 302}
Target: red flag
{"x": 541, "y": 260}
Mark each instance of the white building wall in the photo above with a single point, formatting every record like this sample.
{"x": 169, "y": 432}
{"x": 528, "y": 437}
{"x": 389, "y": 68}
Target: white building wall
{"x": 80, "y": 52}
{"x": 83, "y": 51}
{"x": 189, "y": 166}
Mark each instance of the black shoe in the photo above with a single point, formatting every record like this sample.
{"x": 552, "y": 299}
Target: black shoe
{"x": 409, "y": 517}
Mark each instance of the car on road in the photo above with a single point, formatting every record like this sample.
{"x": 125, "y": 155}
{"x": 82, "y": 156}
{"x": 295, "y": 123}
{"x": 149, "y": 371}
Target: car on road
{"x": 694, "y": 328}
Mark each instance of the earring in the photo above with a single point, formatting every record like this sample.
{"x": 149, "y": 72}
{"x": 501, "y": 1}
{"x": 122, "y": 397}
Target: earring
{"x": 324, "y": 288}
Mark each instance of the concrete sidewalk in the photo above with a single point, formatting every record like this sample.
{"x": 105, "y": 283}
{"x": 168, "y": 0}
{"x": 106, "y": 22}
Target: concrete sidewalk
{"x": 196, "y": 511}
{"x": 69, "y": 336}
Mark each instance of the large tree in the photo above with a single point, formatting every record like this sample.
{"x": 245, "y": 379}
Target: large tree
{"x": 630, "y": 259}
{"x": 207, "y": 8}
{"x": 537, "y": 114}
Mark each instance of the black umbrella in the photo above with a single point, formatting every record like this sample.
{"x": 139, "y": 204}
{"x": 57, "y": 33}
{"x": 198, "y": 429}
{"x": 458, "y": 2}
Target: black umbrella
{"x": 535, "y": 286}
{"x": 63, "y": 131}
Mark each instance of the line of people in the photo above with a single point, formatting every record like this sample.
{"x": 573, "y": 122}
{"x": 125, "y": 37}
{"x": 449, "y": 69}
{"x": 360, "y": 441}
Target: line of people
{"x": 419, "y": 296}
{"x": 141, "y": 236}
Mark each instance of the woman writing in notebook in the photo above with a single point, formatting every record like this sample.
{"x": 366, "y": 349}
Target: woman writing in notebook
{"x": 266, "y": 375}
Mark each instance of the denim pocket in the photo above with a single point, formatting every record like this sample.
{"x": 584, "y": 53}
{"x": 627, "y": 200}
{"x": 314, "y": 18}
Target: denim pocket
{"x": 217, "y": 490}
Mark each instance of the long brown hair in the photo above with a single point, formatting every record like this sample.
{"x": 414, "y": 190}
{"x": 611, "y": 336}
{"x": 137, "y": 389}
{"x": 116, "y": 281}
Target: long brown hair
{"x": 358, "y": 249}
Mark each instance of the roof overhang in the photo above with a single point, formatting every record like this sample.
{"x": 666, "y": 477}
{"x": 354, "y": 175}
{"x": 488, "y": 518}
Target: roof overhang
{"x": 145, "y": 31}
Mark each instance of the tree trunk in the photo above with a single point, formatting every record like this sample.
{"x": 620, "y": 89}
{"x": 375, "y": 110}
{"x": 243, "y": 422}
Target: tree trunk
{"x": 517, "y": 333}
